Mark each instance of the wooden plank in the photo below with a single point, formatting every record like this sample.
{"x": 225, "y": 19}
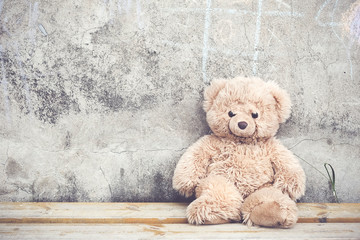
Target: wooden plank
{"x": 53, "y": 212}
{"x": 329, "y": 212}
{"x": 177, "y": 231}
{"x": 150, "y": 213}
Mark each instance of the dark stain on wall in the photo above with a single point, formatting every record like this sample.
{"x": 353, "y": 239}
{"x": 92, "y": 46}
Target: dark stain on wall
{"x": 111, "y": 99}
{"x": 48, "y": 189}
{"x": 70, "y": 192}
{"x": 159, "y": 187}
{"x": 67, "y": 142}
{"x": 104, "y": 76}
{"x": 51, "y": 103}
{"x": 122, "y": 172}
{"x": 13, "y": 169}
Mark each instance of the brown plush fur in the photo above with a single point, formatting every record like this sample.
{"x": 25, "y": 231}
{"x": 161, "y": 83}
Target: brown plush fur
{"x": 241, "y": 171}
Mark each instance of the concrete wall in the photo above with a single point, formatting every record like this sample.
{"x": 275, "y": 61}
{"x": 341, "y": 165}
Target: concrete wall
{"x": 100, "y": 98}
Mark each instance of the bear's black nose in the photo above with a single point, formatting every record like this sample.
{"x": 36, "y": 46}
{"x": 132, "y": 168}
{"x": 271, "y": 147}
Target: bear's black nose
{"x": 242, "y": 125}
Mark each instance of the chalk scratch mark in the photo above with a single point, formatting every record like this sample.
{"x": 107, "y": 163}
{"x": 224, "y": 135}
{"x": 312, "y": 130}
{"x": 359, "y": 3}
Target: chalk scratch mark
{"x": 351, "y": 20}
{"x": 283, "y": 3}
{"x": 201, "y": 10}
{"x": 273, "y": 35}
{"x": 320, "y": 10}
{"x": 235, "y": 12}
{"x": 206, "y": 39}
{"x": 42, "y": 30}
{"x": 347, "y": 49}
{"x": 355, "y": 25}
{"x": 225, "y": 51}
{"x": 139, "y": 14}
{"x": 325, "y": 24}
{"x": 282, "y": 14}
{"x": 257, "y": 38}
{"x": 119, "y": 7}
{"x": 124, "y": 5}
{"x": 111, "y": 13}
{"x": 128, "y": 6}
{"x": 33, "y": 16}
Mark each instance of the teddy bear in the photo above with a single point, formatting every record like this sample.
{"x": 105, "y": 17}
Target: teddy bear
{"x": 241, "y": 171}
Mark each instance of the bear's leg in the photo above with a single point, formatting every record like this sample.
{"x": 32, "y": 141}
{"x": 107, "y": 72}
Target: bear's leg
{"x": 269, "y": 207}
{"x": 218, "y": 201}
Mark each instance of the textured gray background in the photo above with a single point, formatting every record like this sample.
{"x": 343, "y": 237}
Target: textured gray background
{"x": 100, "y": 98}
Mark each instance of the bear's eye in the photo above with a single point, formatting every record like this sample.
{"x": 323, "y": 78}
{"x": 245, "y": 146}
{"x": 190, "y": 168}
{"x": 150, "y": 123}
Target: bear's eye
{"x": 231, "y": 114}
{"x": 255, "y": 115}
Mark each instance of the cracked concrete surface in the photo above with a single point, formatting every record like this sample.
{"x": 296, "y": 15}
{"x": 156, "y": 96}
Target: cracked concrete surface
{"x": 99, "y": 99}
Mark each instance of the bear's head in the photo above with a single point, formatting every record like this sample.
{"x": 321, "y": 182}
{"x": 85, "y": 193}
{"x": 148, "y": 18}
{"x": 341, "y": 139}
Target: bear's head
{"x": 245, "y": 108}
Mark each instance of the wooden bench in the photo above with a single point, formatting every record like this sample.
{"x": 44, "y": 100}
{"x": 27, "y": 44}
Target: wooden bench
{"x": 162, "y": 221}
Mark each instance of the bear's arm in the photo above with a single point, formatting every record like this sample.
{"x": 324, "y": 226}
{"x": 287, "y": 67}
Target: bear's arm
{"x": 289, "y": 175}
{"x": 193, "y": 164}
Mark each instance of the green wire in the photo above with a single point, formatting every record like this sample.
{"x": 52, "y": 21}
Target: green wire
{"x": 331, "y": 179}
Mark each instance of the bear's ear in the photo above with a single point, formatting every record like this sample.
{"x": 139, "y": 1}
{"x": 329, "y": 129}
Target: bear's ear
{"x": 212, "y": 91}
{"x": 282, "y": 99}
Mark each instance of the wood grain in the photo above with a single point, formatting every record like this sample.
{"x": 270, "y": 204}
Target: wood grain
{"x": 177, "y": 231}
{"x": 150, "y": 213}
